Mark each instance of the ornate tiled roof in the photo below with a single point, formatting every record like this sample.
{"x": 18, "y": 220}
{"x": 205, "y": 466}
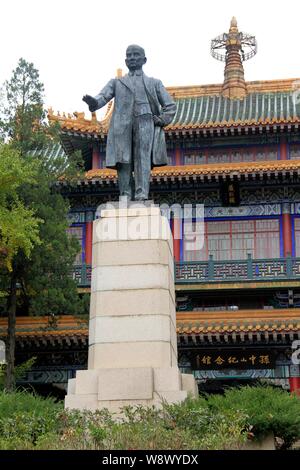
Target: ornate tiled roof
{"x": 215, "y": 170}
{"x": 267, "y": 103}
{"x": 78, "y": 123}
{"x": 197, "y": 323}
{"x": 218, "y": 111}
{"x": 239, "y": 325}
{"x": 48, "y": 329}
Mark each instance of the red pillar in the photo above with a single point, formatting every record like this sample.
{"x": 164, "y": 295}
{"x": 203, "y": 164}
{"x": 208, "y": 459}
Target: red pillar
{"x": 283, "y": 148}
{"x": 287, "y": 230}
{"x": 177, "y": 156}
{"x": 176, "y": 232}
{"x": 295, "y": 385}
{"x": 95, "y": 158}
{"x": 88, "y": 238}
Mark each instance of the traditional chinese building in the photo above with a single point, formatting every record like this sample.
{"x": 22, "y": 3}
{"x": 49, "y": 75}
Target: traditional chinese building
{"x": 234, "y": 147}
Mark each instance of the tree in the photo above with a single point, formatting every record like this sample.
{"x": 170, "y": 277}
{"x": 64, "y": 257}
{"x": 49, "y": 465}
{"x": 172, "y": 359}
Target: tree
{"x": 24, "y": 119}
{"x": 46, "y": 285}
{"x": 19, "y": 227}
{"x": 43, "y": 281}
{"x": 19, "y": 232}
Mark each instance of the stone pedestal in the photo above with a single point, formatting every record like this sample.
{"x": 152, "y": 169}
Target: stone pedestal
{"x": 132, "y": 331}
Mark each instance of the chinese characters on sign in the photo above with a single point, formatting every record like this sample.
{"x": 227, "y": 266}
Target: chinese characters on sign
{"x": 235, "y": 359}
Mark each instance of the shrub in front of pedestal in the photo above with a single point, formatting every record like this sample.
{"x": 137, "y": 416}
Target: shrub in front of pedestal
{"x": 270, "y": 411}
{"x": 213, "y": 430}
{"x": 31, "y": 422}
{"x": 149, "y": 428}
{"x": 190, "y": 425}
{"x": 174, "y": 427}
{"x": 24, "y": 417}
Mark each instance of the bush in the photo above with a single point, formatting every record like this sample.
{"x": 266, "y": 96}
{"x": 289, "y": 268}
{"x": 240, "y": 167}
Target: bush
{"x": 20, "y": 370}
{"x": 224, "y": 429}
{"x": 210, "y": 422}
{"x": 269, "y": 410}
{"x": 172, "y": 427}
{"x": 24, "y": 417}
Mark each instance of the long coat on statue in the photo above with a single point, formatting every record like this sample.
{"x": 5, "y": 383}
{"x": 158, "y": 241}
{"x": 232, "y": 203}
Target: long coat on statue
{"x": 119, "y": 139}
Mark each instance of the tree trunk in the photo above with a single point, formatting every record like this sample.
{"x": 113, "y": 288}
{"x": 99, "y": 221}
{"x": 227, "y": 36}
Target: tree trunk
{"x": 11, "y": 335}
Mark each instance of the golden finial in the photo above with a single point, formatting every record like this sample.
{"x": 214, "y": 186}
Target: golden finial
{"x": 233, "y": 22}
{"x": 119, "y": 73}
{"x": 233, "y": 25}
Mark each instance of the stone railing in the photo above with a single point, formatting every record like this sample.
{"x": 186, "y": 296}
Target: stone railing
{"x": 82, "y": 274}
{"x": 237, "y": 270}
{"x": 189, "y": 272}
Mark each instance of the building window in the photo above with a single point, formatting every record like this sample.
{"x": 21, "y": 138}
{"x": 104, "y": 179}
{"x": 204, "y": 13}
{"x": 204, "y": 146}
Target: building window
{"x": 234, "y": 240}
{"x": 297, "y": 235}
{"x": 170, "y": 159}
{"x": 231, "y": 155}
{"x": 77, "y": 232}
{"x": 294, "y": 151}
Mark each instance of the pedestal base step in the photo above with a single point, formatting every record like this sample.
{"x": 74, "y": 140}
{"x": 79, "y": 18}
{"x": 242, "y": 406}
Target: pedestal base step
{"x": 116, "y": 388}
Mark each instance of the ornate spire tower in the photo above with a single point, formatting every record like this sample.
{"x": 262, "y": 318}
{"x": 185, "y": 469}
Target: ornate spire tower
{"x": 233, "y": 48}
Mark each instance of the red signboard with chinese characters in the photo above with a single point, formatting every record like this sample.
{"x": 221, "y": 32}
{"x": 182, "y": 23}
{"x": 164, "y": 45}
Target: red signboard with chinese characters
{"x": 234, "y": 359}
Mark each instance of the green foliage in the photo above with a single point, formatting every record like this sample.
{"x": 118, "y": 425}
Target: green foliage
{"x": 24, "y": 367}
{"x": 24, "y": 417}
{"x": 30, "y": 422}
{"x": 20, "y": 370}
{"x": 19, "y": 225}
{"x": 269, "y": 410}
{"x": 225, "y": 429}
{"x": 211, "y": 422}
{"x": 32, "y": 213}
{"x": 46, "y": 285}
{"x": 23, "y": 120}
{"x": 21, "y": 402}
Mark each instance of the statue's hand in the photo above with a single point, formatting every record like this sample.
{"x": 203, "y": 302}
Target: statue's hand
{"x": 91, "y": 102}
{"x": 158, "y": 121}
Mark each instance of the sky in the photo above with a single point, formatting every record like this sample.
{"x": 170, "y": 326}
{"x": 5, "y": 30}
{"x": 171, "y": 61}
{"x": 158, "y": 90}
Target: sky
{"x": 77, "y": 45}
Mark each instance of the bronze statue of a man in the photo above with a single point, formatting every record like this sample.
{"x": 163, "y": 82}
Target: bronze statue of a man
{"x": 136, "y": 141}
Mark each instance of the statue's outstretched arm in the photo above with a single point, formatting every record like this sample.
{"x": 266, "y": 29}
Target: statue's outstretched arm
{"x": 100, "y": 100}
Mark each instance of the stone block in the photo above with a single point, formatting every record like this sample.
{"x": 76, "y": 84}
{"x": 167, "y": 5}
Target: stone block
{"x": 115, "y": 406}
{"x": 132, "y": 228}
{"x": 91, "y": 358}
{"x": 138, "y": 210}
{"x": 86, "y": 382}
{"x": 123, "y": 252}
{"x": 132, "y": 302}
{"x": 132, "y": 354}
{"x": 167, "y": 379}
{"x": 189, "y": 384}
{"x": 266, "y": 443}
{"x": 172, "y": 289}
{"x": 170, "y": 397}
{"x": 150, "y": 276}
{"x": 129, "y": 329}
{"x": 125, "y": 384}
{"x": 71, "y": 386}
{"x": 173, "y": 334}
{"x": 171, "y": 270}
{"x": 81, "y": 402}
{"x": 173, "y": 354}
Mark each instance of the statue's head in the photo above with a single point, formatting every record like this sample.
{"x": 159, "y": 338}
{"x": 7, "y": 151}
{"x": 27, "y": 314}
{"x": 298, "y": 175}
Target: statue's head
{"x": 135, "y": 57}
